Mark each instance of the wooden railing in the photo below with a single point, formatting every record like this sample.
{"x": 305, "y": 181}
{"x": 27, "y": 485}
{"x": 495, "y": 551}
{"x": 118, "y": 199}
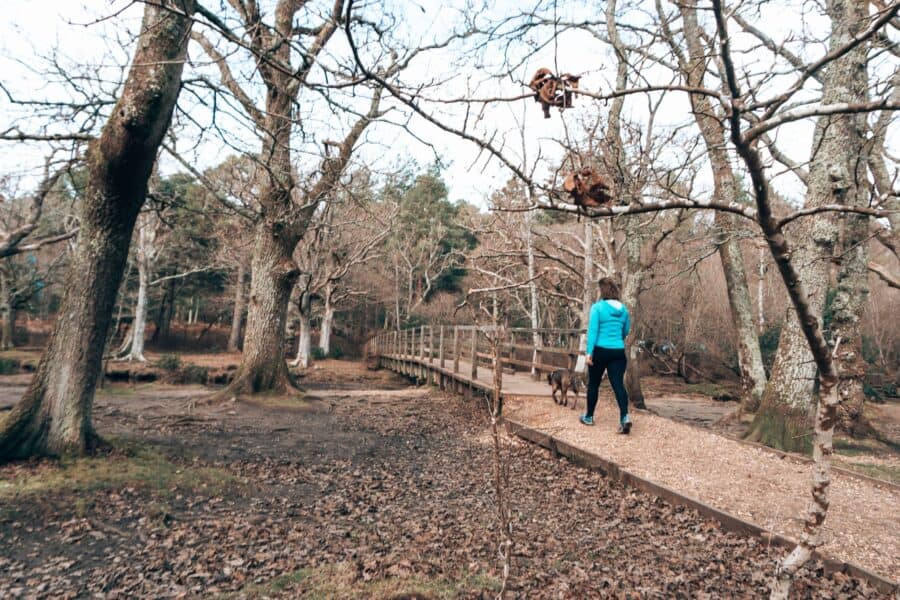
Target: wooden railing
{"x": 537, "y": 351}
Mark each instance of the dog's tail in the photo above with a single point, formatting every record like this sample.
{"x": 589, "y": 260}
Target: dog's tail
{"x": 550, "y": 378}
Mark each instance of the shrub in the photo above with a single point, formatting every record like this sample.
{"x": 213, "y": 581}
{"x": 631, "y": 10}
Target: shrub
{"x": 169, "y": 362}
{"x": 189, "y": 374}
{"x": 9, "y": 366}
{"x": 318, "y": 354}
{"x": 195, "y": 374}
{"x": 879, "y": 393}
{"x": 336, "y": 353}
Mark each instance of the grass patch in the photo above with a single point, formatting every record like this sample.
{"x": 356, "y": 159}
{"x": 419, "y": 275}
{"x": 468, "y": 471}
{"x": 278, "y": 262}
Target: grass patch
{"x": 712, "y": 390}
{"x": 128, "y": 465}
{"x": 884, "y": 472}
{"x": 340, "y": 581}
{"x": 857, "y": 447}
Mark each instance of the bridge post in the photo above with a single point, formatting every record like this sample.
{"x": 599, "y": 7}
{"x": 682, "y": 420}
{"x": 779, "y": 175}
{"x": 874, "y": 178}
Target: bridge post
{"x": 422, "y": 343}
{"x": 456, "y": 348}
{"x": 441, "y": 347}
{"x": 431, "y": 344}
{"x": 474, "y": 352}
{"x": 512, "y": 352}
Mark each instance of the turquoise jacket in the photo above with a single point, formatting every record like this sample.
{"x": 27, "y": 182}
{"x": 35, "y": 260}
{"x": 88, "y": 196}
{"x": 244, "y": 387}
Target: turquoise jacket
{"x": 608, "y": 326}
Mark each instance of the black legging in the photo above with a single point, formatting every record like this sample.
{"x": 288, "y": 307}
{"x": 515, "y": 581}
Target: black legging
{"x": 612, "y": 361}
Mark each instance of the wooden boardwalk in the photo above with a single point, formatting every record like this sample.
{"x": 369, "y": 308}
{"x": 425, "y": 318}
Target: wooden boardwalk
{"x": 745, "y": 487}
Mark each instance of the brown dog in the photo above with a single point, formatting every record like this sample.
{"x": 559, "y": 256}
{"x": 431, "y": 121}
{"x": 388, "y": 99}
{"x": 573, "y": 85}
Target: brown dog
{"x": 562, "y": 380}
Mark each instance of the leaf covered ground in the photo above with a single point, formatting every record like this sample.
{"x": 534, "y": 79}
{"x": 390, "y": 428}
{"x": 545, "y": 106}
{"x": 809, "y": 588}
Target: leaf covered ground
{"x": 348, "y": 493}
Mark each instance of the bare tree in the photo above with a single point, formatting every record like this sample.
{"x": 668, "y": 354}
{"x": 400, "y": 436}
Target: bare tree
{"x": 286, "y": 206}
{"x": 54, "y": 415}
{"x": 344, "y": 235}
{"x": 693, "y": 66}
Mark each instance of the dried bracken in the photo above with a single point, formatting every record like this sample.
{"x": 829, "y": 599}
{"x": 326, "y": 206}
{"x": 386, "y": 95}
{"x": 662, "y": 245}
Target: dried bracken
{"x": 551, "y": 90}
{"x": 588, "y": 188}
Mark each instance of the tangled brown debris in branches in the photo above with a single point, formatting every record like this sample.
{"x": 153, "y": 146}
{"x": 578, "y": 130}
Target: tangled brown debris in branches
{"x": 588, "y": 188}
{"x": 551, "y": 90}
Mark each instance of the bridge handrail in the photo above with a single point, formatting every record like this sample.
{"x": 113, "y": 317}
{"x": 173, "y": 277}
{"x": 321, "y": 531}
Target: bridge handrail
{"x": 440, "y": 343}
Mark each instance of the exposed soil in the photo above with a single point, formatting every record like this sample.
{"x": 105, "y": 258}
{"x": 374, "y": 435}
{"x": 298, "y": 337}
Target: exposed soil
{"x": 350, "y": 493}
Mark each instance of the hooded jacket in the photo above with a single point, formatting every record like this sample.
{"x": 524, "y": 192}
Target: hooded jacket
{"x": 608, "y": 326}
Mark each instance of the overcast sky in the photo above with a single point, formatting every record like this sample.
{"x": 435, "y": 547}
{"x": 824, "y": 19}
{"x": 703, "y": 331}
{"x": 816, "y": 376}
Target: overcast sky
{"x": 97, "y": 35}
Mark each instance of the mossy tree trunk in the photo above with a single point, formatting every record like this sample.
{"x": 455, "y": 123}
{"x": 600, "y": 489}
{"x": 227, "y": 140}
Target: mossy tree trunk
{"x": 785, "y": 417}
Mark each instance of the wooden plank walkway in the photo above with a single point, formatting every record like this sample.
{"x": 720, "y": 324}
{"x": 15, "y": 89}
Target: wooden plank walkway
{"x": 514, "y": 384}
{"x": 764, "y": 488}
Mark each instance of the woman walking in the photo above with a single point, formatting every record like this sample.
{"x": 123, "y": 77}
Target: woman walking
{"x": 609, "y": 325}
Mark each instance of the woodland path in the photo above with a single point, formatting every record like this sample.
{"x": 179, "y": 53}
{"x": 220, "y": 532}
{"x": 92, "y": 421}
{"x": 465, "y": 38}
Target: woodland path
{"x": 766, "y": 488}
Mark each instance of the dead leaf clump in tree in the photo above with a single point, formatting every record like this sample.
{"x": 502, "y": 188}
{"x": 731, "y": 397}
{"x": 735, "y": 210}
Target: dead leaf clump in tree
{"x": 588, "y": 188}
{"x": 551, "y": 90}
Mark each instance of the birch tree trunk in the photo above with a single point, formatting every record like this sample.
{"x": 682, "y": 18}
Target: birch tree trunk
{"x": 7, "y": 313}
{"x": 784, "y": 420}
{"x": 753, "y": 374}
{"x": 327, "y": 321}
{"x": 589, "y": 284}
{"x": 237, "y": 317}
{"x": 54, "y": 415}
{"x": 534, "y": 307}
{"x": 139, "y": 326}
{"x": 588, "y": 290}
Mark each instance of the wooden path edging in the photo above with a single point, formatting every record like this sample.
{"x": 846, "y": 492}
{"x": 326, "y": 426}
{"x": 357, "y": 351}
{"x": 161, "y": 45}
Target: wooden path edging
{"x": 728, "y": 522}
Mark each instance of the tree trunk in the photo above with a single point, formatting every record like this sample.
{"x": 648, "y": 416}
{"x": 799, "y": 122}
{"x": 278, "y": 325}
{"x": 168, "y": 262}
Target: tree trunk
{"x": 327, "y": 323}
{"x": 304, "y": 342}
{"x": 631, "y": 297}
{"x": 139, "y": 324}
{"x": 588, "y": 291}
{"x": 847, "y": 306}
{"x": 237, "y": 317}
{"x": 54, "y": 415}
{"x": 753, "y": 374}
{"x": 534, "y": 306}
{"x": 7, "y": 313}
{"x": 785, "y": 417}
{"x": 634, "y": 233}
{"x": 263, "y": 366}
{"x": 166, "y": 312}
{"x": 761, "y": 291}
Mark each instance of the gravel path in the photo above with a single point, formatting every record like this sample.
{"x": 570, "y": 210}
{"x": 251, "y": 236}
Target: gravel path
{"x": 863, "y": 524}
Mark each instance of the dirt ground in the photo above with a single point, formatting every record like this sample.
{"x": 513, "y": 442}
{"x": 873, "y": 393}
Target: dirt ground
{"x": 364, "y": 488}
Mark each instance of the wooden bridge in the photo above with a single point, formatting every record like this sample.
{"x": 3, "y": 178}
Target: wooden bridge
{"x": 657, "y": 458}
{"x": 466, "y": 358}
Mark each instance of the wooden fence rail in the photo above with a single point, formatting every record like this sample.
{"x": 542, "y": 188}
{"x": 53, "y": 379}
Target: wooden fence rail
{"x": 536, "y": 351}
